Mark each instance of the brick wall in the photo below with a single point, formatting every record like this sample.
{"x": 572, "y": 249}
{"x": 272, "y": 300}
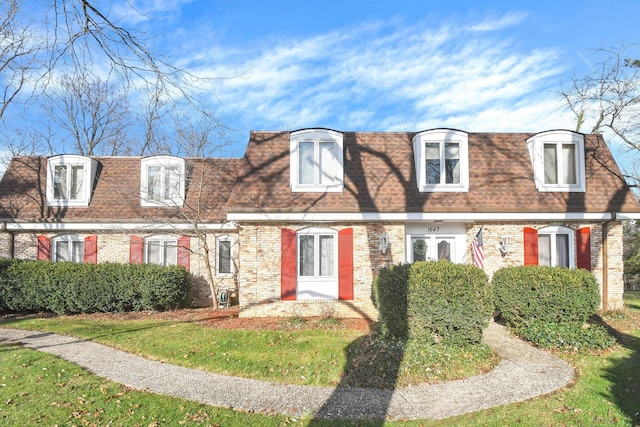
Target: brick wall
{"x": 494, "y": 260}
{"x": 260, "y": 270}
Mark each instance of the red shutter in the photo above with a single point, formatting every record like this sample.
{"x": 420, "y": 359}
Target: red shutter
{"x": 135, "y": 250}
{"x": 184, "y": 252}
{"x": 345, "y": 264}
{"x": 288, "y": 265}
{"x": 44, "y": 248}
{"x": 91, "y": 249}
{"x": 530, "y": 246}
{"x": 583, "y": 246}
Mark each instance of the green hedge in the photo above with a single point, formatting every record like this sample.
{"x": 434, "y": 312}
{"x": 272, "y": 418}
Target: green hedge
{"x": 68, "y": 288}
{"x": 434, "y": 302}
{"x": 546, "y": 294}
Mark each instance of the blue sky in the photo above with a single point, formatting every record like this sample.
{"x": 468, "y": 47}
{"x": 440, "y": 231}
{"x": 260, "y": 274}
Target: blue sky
{"x": 386, "y": 65}
{"x": 374, "y": 65}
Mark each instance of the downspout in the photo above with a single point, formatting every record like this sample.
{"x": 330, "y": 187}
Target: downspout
{"x": 605, "y": 262}
{"x": 10, "y": 249}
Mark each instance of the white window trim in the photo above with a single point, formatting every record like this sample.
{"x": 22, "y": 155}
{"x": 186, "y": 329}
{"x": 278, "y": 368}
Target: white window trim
{"x": 219, "y": 239}
{"x": 162, "y": 161}
{"x": 559, "y": 229}
{"x": 432, "y": 248}
{"x": 165, "y": 239}
{"x": 316, "y": 136}
{"x": 535, "y": 145}
{"x": 317, "y": 287}
{"x": 70, "y": 238}
{"x": 441, "y": 136}
{"x": 90, "y": 167}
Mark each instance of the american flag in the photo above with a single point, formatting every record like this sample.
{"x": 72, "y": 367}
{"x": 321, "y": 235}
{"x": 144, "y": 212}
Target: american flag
{"x": 478, "y": 250}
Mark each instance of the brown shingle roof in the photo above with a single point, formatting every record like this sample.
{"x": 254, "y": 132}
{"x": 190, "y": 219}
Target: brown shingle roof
{"x": 116, "y": 192}
{"x": 379, "y": 176}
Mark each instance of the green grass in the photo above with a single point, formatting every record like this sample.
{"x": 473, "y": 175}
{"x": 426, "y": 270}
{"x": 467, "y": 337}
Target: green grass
{"x": 38, "y": 389}
{"x": 325, "y": 357}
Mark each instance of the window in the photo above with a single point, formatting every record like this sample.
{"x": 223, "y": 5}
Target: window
{"x": 69, "y": 180}
{"x": 161, "y": 250}
{"x": 162, "y": 181}
{"x": 431, "y": 248}
{"x": 555, "y": 247}
{"x": 68, "y": 248}
{"x": 316, "y": 160}
{"x": 317, "y": 264}
{"x": 224, "y": 263}
{"x": 558, "y": 161}
{"x": 442, "y": 160}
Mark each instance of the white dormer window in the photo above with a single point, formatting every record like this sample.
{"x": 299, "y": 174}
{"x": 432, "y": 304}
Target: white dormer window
{"x": 442, "y": 160}
{"x": 316, "y": 161}
{"x": 162, "y": 181}
{"x": 70, "y": 180}
{"x": 558, "y": 161}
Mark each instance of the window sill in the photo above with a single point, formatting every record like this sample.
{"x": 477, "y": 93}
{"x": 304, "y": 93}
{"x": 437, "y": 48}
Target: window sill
{"x": 443, "y": 189}
{"x": 317, "y": 189}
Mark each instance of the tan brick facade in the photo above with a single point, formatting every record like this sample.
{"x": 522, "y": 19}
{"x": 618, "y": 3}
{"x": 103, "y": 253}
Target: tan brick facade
{"x": 257, "y": 247}
{"x": 260, "y": 246}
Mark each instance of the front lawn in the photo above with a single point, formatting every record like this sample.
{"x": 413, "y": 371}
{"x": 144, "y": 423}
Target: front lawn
{"x": 39, "y": 389}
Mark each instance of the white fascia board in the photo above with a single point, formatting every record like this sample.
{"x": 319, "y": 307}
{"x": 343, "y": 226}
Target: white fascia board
{"x": 426, "y": 216}
{"x": 112, "y": 226}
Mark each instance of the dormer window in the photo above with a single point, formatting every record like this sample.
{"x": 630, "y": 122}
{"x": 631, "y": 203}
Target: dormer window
{"x": 316, "y": 161}
{"x": 558, "y": 161}
{"x": 162, "y": 181}
{"x": 70, "y": 180}
{"x": 442, "y": 160}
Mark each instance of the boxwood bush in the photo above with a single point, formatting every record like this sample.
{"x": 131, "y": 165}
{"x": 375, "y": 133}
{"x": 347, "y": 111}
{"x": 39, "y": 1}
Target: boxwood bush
{"x": 434, "y": 302}
{"x": 548, "y": 294}
{"x": 68, "y": 288}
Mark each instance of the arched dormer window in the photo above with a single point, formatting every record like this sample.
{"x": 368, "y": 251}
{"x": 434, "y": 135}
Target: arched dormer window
{"x": 442, "y": 160}
{"x": 162, "y": 181}
{"x": 70, "y": 180}
{"x": 316, "y": 160}
{"x": 558, "y": 160}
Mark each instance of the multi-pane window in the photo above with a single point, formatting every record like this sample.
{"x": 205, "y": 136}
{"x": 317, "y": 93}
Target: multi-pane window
{"x": 68, "y": 248}
{"x": 431, "y": 248}
{"x": 558, "y": 160}
{"x": 316, "y": 255}
{"x": 163, "y": 182}
{"x": 161, "y": 250}
{"x": 442, "y": 162}
{"x": 68, "y": 181}
{"x": 224, "y": 257}
{"x": 553, "y": 249}
{"x": 316, "y": 163}
{"x": 560, "y": 163}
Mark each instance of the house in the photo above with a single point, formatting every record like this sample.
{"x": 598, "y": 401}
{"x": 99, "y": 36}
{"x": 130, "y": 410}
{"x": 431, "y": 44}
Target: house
{"x": 121, "y": 209}
{"x": 302, "y": 223}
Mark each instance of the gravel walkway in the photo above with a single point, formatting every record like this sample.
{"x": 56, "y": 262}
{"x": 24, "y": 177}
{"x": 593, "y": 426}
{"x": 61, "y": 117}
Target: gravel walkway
{"x": 524, "y": 372}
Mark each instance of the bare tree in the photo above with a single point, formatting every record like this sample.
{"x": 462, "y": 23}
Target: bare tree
{"x": 76, "y": 38}
{"x": 608, "y": 99}
{"x": 91, "y": 112}
{"x": 18, "y": 49}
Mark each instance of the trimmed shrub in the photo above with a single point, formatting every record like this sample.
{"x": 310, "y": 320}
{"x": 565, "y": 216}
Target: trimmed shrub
{"x": 390, "y": 298}
{"x": 547, "y": 294}
{"x": 448, "y": 303}
{"x": 68, "y": 288}
{"x": 433, "y": 302}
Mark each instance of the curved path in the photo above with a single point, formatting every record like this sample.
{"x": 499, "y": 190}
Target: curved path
{"x": 524, "y": 372}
